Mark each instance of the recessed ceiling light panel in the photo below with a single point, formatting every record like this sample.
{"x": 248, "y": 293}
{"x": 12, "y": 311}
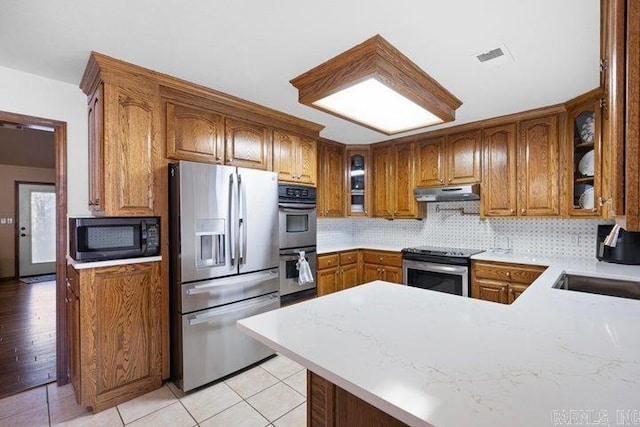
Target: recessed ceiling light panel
{"x": 375, "y": 85}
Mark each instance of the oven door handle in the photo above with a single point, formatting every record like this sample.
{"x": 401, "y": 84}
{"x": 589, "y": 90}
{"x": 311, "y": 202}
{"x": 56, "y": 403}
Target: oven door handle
{"x": 296, "y": 252}
{"x": 438, "y": 268}
{"x": 294, "y": 208}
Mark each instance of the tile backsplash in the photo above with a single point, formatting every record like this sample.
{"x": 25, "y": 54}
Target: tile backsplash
{"x": 570, "y": 237}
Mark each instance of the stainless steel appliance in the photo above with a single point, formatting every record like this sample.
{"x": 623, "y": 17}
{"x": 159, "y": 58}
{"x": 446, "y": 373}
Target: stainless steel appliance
{"x": 297, "y": 225}
{"x": 223, "y": 267}
{"x": 448, "y": 194}
{"x": 438, "y": 269}
{"x": 106, "y": 238}
{"x": 624, "y": 248}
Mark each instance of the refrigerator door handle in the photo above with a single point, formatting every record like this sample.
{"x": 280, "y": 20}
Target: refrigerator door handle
{"x": 242, "y": 209}
{"x": 247, "y": 280}
{"x": 232, "y": 215}
{"x": 232, "y": 308}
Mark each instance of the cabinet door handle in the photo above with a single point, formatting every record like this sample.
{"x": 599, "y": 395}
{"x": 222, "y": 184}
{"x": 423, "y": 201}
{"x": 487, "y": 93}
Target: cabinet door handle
{"x": 449, "y": 179}
{"x": 441, "y": 180}
{"x": 230, "y": 159}
{"x": 512, "y": 210}
{"x": 218, "y": 158}
{"x": 508, "y": 274}
{"x": 523, "y": 210}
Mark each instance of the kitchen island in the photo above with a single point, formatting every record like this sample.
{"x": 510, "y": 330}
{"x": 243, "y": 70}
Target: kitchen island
{"x": 554, "y": 357}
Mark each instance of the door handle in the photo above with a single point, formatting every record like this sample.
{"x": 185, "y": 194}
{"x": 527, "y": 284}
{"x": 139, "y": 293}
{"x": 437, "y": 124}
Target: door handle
{"x": 22, "y": 235}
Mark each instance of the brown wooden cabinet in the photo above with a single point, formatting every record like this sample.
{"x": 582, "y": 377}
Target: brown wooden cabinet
{"x": 583, "y": 156}
{"x": 331, "y": 182}
{"x": 394, "y": 180}
{"x": 295, "y": 158}
{"x": 538, "y": 167}
{"x": 501, "y": 282}
{"x": 73, "y": 324}
{"x": 194, "y": 134}
{"x": 337, "y": 271}
{"x": 381, "y": 265}
{"x": 330, "y": 405}
{"x": 499, "y": 179}
{"x": 116, "y": 336}
{"x": 124, "y": 134}
{"x": 247, "y": 144}
{"x": 521, "y": 172}
{"x": 450, "y": 160}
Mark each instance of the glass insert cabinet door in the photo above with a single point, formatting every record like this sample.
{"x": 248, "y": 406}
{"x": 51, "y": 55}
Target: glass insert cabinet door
{"x": 584, "y": 121}
{"x": 357, "y": 167}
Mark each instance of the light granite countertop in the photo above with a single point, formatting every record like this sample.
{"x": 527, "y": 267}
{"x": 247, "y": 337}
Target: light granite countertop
{"x": 434, "y": 359}
{"x": 325, "y": 249}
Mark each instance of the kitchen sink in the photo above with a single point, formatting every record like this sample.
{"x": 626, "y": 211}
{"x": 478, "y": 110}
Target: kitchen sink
{"x": 599, "y": 285}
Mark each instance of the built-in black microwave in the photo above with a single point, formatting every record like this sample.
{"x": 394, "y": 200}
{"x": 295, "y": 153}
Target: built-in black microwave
{"x": 626, "y": 249}
{"x": 106, "y": 238}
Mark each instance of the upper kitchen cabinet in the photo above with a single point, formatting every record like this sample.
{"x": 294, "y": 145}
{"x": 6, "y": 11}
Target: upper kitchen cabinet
{"x": 358, "y": 180}
{"x": 394, "y": 181}
{"x": 499, "y": 179}
{"x": 247, "y": 144}
{"x": 463, "y": 152}
{"x": 583, "y": 155}
{"x": 294, "y": 158}
{"x": 194, "y": 134}
{"x": 538, "y": 167}
{"x": 450, "y": 160}
{"x": 124, "y": 132}
{"x": 331, "y": 173}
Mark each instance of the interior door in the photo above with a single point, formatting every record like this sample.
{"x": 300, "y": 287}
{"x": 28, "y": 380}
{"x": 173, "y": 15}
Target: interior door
{"x": 36, "y": 229}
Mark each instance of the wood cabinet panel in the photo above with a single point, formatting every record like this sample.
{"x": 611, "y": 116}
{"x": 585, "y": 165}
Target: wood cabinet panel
{"x": 328, "y": 261}
{"x": 501, "y": 282}
{"x": 538, "y": 164}
{"x": 331, "y": 406}
{"x": 405, "y": 205}
{"x": 490, "y": 291}
{"x": 632, "y": 117}
{"x": 382, "y": 257}
{"x": 394, "y": 181}
{"x": 499, "y": 178}
{"x": 96, "y": 150}
{"x": 129, "y": 165}
{"x": 73, "y": 331}
{"x": 328, "y": 280}
{"x": 371, "y": 272}
{"x": 247, "y": 144}
{"x": 350, "y": 257}
{"x": 382, "y": 265}
{"x": 194, "y": 134}
{"x": 349, "y": 274}
{"x": 431, "y": 166}
{"x": 382, "y": 170}
{"x": 463, "y": 157}
{"x": 120, "y": 338}
{"x": 331, "y": 179}
{"x": 295, "y": 158}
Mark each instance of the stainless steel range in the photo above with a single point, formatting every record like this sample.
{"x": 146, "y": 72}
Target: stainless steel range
{"x": 438, "y": 269}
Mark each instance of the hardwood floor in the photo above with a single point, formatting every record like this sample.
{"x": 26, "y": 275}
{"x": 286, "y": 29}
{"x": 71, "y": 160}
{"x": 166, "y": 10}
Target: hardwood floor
{"x": 27, "y": 335}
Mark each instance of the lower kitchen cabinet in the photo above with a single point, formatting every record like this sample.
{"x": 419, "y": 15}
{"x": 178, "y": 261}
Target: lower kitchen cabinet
{"x": 501, "y": 282}
{"x": 330, "y": 405}
{"x": 337, "y": 271}
{"x": 114, "y": 332}
{"x": 381, "y": 265}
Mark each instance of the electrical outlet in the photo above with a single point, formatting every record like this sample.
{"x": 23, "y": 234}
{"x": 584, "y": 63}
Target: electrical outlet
{"x": 9, "y": 220}
{"x": 3, "y": 220}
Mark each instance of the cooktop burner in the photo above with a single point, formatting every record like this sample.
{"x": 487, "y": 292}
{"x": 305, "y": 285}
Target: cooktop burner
{"x": 435, "y": 251}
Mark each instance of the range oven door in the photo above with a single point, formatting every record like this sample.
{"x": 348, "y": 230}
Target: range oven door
{"x": 297, "y": 225}
{"x": 451, "y": 279}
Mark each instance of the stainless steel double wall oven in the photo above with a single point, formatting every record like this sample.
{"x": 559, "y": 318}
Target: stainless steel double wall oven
{"x": 297, "y": 223}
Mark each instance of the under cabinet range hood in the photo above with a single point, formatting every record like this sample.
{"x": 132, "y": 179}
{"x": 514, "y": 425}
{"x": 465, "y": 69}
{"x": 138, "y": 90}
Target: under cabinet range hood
{"x": 448, "y": 194}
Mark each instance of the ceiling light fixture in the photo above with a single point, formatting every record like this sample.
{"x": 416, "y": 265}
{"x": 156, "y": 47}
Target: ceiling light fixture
{"x": 375, "y": 85}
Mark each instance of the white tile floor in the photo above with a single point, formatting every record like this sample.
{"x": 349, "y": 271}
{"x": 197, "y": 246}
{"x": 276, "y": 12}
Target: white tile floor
{"x": 272, "y": 394}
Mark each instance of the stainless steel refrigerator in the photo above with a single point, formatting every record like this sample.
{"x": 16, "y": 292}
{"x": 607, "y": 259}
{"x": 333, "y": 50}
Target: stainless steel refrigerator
{"x": 223, "y": 267}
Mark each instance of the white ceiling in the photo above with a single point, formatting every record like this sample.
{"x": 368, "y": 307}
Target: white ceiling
{"x": 252, "y": 48}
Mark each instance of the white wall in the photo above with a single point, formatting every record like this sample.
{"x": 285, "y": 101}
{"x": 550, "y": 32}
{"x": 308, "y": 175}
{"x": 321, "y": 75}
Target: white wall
{"x": 32, "y": 95}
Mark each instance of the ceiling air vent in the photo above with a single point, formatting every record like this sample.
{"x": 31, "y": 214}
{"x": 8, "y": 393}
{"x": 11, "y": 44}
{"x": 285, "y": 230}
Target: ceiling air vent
{"x": 495, "y": 57}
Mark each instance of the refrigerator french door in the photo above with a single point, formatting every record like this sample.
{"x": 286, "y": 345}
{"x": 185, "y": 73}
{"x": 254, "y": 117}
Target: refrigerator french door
{"x": 224, "y": 266}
